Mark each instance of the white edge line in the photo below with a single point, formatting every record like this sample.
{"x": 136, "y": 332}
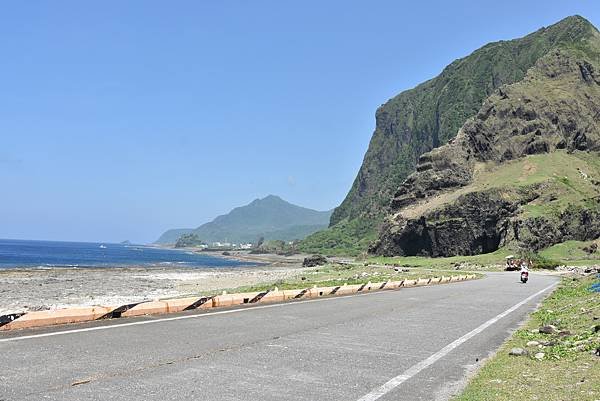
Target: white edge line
{"x": 413, "y": 370}
{"x": 169, "y": 319}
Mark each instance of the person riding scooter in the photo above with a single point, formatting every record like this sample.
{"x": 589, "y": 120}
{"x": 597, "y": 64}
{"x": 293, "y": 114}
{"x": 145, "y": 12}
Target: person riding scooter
{"x": 524, "y": 272}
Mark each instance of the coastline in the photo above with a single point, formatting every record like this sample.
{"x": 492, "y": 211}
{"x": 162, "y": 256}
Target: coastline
{"x": 239, "y": 255}
{"x": 27, "y": 289}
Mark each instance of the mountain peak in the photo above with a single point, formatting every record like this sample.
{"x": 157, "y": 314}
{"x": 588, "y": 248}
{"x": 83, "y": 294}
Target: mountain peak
{"x": 569, "y": 29}
{"x": 267, "y": 200}
{"x": 574, "y": 20}
{"x": 270, "y": 217}
{"x": 271, "y": 197}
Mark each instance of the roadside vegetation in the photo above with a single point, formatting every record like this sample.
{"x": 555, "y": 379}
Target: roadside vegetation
{"x": 556, "y": 352}
{"x": 277, "y": 247}
{"x": 487, "y": 261}
{"x": 569, "y": 253}
{"x": 575, "y": 253}
{"x": 347, "y": 238}
{"x": 335, "y": 274}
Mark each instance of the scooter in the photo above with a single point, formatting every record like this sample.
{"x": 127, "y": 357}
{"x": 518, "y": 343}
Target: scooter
{"x": 524, "y": 277}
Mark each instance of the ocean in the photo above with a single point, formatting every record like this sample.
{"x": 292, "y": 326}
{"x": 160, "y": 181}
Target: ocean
{"x": 51, "y": 254}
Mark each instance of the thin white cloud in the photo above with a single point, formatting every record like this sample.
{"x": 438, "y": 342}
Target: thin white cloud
{"x": 291, "y": 180}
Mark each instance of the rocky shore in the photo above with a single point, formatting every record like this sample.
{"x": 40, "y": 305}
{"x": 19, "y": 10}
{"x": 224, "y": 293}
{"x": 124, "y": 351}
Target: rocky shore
{"x": 38, "y": 289}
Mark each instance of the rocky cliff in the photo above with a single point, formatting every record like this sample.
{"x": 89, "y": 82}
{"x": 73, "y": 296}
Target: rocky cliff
{"x": 431, "y": 114}
{"x": 555, "y": 107}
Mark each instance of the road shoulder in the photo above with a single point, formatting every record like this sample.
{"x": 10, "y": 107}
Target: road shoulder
{"x": 558, "y": 365}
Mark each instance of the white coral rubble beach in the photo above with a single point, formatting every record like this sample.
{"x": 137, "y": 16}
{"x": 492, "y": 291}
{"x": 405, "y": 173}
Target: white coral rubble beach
{"x": 37, "y": 289}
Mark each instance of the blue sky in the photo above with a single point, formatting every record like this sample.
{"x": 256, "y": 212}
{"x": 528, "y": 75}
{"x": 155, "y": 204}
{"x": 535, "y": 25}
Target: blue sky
{"x": 121, "y": 119}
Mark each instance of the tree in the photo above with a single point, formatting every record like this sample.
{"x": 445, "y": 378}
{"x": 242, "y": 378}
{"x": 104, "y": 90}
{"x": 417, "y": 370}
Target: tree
{"x": 188, "y": 240}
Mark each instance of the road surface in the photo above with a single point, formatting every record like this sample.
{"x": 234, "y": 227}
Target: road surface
{"x": 411, "y": 344}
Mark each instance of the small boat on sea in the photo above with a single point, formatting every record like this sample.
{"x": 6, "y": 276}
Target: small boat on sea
{"x": 103, "y": 246}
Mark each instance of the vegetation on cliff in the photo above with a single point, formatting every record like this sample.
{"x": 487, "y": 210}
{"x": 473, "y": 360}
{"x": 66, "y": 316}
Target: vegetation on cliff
{"x": 348, "y": 237}
{"x": 430, "y": 115}
{"x": 552, "y": 113}
{"x": 187, "y": 240}
{"x": 532, "y": 203}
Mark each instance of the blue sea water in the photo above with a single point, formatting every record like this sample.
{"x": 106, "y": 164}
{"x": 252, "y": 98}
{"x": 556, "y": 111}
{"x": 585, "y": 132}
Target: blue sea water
{"x": 48, "y": 254}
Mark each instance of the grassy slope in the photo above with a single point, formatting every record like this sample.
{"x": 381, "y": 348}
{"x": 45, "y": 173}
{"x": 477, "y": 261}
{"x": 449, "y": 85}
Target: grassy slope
{"x": 569, "y": 253}
{"x": 565, "y": 373}
{"x": 560, "y": 171}
{"x": 572, "y": 253}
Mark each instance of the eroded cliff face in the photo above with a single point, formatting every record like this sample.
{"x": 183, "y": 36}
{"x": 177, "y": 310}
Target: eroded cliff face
{"x": 431, "y": 114}
{"x": 476, "y": 223}
{"x": 555, "y": 108}
{"x": 413, "y": 127}
{"x": 483, "y": 221}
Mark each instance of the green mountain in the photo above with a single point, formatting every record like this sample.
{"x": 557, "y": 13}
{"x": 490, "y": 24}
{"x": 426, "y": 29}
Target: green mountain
{"x": 270, "y": 217}
{"x": 429, "y": 116}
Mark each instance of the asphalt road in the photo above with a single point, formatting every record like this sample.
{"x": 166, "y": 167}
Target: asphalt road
{"x": 422, "y": 342}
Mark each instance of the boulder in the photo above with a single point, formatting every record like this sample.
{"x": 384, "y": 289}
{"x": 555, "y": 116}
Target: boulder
{"x": 314, "y": 260}
{"x": 518, "y": 352}
{"x": 549, "y": 329}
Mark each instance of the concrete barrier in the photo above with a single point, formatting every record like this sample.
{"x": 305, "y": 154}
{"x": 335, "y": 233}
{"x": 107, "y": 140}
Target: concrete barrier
{"x": 348, "y": 289}
{"x": 294, "y": 294}
{"x": 329, "y": 290}
{"x": 395, "y": 284}
{"x": 273, "y": 296}
{"x": 220, "y": 301}
{"x": 58, "y": 316}
{"x": 83, "y": 314}
{"x": 246, "y": 297}
{"x": 147, "y": 308}
{"x": 180, "y": 304}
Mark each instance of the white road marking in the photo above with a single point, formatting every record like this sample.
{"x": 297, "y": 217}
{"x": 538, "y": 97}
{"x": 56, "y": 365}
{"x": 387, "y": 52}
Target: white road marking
{"x": 413, "y": 370}
{"x": 169, "y": 319}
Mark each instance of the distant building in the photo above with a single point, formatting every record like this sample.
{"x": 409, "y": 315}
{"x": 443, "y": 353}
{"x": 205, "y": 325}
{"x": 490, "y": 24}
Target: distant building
{"x": 221, "y": 244}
